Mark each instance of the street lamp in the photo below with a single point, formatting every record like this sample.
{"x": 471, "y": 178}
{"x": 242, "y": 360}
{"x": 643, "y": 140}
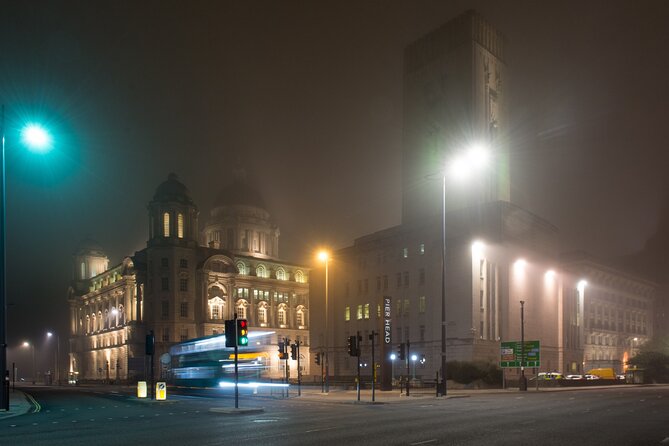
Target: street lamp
{"x": 473, "y": 159}
{"x": 56, "y": 363}
{"x": 414, "y": 358}
{"x": 324, "y": 256}
{"x": 35, "y": 138}
{"x": 32, "y": 347}
{"x": 393, "y": 356}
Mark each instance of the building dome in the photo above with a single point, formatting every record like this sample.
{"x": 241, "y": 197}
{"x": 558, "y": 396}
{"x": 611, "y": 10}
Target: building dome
{"x": 88, "y": 246}
{"x": 239, "y": 193}
{"x": 173, "y": 190}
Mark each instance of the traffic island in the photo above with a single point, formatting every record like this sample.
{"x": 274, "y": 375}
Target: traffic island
{"x": 233, "y": 411}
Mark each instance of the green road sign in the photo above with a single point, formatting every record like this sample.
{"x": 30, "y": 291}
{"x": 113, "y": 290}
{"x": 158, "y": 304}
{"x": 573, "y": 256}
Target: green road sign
{"x": 511, "y": 351}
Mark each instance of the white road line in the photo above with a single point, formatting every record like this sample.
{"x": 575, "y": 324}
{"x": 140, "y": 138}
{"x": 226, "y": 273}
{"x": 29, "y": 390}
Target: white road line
{"x": 434, "y": 440}
{"x": 320, "y": 430}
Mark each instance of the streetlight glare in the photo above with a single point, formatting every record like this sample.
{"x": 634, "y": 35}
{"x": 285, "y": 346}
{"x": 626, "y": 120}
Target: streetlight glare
{"x": 550, "y": 274}
{"x": 323, "y": 256}
{"x": 478, "y": 156}
{"x": 26, "y": 344}
{"x": 581, "y": 285}
{"x": 36, "y": 138}
{"x": 49, "y": 334}
{"x": 477, "y": 248}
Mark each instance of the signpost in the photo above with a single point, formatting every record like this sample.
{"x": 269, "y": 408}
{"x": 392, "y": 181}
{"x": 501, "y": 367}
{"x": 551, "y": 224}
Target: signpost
{"x": 511, "y": 352}
{"x": 161, "y": 391}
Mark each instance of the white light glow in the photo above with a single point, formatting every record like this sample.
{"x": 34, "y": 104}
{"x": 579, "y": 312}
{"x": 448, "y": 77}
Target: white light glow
{"x": 519, "y": 264}
{"x": 581, "y": 285}
{"x": 252, "y": 385}
{"x": 550, "y": 274}
{"x": 414, "y": 357}
{"x": 393, "y": 356}
{"x": 477, "y": 249}
{"x": 36, "y": 138}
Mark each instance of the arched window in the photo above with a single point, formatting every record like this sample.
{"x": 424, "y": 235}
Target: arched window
{"x": 299, "y": 316}
{"x": 113, "y": 317}
{"x": 242, "y": 268}
{"x": 166, "y": 224}
{"x": 180, "y": 225}
{"x": 121, "y": 315}
{"x": 261, "y": 271}
{"x": 281, "y": 315}
{"x": 299, "y": 276}
{"x": 262, "y": 314}
{"x": 216, "y": 306}
{"x": 241, "y": 308}
{"x": 106, "y": 320}
{"x": 88, "y": 324}
{"x": 280, "y": 274}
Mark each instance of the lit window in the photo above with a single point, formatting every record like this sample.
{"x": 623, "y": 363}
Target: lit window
{"x": 299, "y": 277}
{"x": 366, "y": 311}
{"x": 280, "y": 274}
{"x": 347, "y": 313}
{"x": 359, "y": 314}
{"x": 241, "y": 309}
{"x": 405, "y": 253}
{"x": 166, "y": 224}
{"x": 262, "y": 315}
{"x": 421, "y": 304}
{"x": 299, "y": 316}
{"x": 421, "y": 249}
{"x": 406, "y": 307}
{"x": 281, "y": 315}
{"x": 261, "y": 271}
{"x": 180, "y": 225}
{"x": 378, "y": 310}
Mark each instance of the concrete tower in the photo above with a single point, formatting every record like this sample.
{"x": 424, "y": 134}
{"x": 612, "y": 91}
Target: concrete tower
{"x": 454, "y": 79}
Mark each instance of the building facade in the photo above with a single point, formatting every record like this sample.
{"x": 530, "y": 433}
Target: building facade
{"x": 496, "y": 254}
{"x": 185, "y": 284}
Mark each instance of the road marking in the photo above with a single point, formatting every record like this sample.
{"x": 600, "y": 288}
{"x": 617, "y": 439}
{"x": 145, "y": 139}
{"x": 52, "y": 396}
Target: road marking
{"x": 74, "y": 421}
{"x": 54, "y": 422}
{"x": 424, "y": 442}
{"x": 12, "y": 425}
{"x": 320, "y": 430}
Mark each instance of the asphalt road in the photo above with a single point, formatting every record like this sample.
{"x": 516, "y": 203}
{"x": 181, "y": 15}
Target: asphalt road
{"x": 613, "y": 416}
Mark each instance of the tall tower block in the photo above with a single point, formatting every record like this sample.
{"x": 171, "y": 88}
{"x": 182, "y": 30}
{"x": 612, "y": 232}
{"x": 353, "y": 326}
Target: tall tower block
{"x": 454, "y": 80}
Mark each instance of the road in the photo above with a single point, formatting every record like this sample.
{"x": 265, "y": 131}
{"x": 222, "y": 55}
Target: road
{"x": 612, "y": 416}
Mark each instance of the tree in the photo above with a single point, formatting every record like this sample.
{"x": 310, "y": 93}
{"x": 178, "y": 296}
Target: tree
{"x": 655, "y": 365}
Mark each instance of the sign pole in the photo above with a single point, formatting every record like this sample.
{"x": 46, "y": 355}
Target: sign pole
{"x": 236, "y": 367}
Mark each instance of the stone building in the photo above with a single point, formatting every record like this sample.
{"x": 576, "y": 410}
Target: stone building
{"x": 496, "y": 254}
{"x": 185, "y": 284}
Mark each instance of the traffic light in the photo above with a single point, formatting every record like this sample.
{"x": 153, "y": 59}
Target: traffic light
{"x": 353, "y": 348}
{"x": 230, "y": 333}
{"x": 401, "y": 355}
{"x": 242, "y": 332}
{"x": 318, "y": 359}
{"x": 150, "y": 344}
{"x": 293, "y": 351}
{"x": 282, "y": 351}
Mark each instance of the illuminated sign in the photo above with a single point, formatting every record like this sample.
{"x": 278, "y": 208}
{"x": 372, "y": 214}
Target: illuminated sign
{"x": 387, "y": 314}
{"x": 141, "y": 389}
{"x": 161, "y": 391}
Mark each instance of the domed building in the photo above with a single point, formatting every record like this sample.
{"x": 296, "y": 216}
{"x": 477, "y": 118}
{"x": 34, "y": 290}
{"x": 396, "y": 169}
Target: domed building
{"x": 185, "y": 284}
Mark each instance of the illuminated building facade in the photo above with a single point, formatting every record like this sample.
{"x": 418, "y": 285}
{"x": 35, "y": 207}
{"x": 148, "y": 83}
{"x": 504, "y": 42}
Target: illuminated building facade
{"x": 185, "y": 284}
{"x": 497, "y": 253}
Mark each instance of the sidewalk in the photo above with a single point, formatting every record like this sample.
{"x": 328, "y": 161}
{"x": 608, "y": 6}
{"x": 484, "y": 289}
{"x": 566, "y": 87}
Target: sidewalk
{"x": 19, "y": 404}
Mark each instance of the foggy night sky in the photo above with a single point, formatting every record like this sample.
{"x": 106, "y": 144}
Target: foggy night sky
{"x": 308, "y": 97}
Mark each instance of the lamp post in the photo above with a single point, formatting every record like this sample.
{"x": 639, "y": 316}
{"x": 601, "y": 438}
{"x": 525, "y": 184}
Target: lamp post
{"x": 475, "y": 157}
{"x": 522, "y": 383}
{"x": 50, "y": 334}
{"x": 393, "y": 356}
{"x": 324, "y": 256}
{"x": 36, "y": 138}
{"x": 32, "y": 348}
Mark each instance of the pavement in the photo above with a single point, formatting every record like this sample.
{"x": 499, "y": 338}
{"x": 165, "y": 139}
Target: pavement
{"x": 19, "y": 404}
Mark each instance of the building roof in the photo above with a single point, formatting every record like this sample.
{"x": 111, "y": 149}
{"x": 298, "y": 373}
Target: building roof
{"x": 239, "y": 193}
{"x": 173, "y": 190}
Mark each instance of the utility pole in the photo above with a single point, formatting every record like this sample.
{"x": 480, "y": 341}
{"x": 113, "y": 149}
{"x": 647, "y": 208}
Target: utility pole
{"x": 408, "y": 355}
{"x": 358, "y": 338}
{"x": 523, "y": 381}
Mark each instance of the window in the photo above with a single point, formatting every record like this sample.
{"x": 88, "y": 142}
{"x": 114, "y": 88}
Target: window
{"x": 406, "y": 278}
{"x": 165, "y": 309}
{"x": 281, "y": 315}
{"x": 261, "y": 271}
{"x": 241, "y": 309}
{"x": 166, "y": 334}
{"x": 184, "y": 334}
{"x": 406, "y": 307}
{"x": 215, "y": 312}
{"x": 299, "y": 317}
{"x": 165, "y": 283}
{"x": 359, "y": 313}
{"x": 166, "y": 224}
{"x": 180, "y": 225}
{"x": 366, "y": 311}
{"x": 183, "y": 284}
{"x": 262, "y": 314}
{"x": 183, "y": 311}
{"x": 242, "y": 268}
{"x": 421, "y": 276}
{"x": 347, "y": 313}
{"x": 405, "y": 253}
{"x": 183, "y": 263}
{"x": 421, "y": 249}
{"x": 280, "y": 274}
{"x": 299, "y": 277}
{"x": 164, "y": 262}
{"x": 378, "y": 311}
{"x": 421, "y": 304}
{"x": 422, "y": 332}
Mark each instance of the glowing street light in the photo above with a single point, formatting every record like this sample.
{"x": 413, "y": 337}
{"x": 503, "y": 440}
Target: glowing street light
{"x": 38, "y": 139}
{"x": 475, "y": 158}
{"x": 324, "y": 256}
{"x": 49, "y": 335}
{"x": 30, "y": 345}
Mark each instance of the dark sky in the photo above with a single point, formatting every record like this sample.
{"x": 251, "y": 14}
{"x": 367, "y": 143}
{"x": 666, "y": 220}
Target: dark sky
{"x": 308, "y": 97}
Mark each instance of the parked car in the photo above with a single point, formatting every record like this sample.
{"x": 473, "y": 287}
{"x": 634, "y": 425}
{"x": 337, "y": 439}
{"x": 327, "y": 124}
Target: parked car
{"x": 574, "y": 377}
{"x": 550, "y": 375}
{"x": 591, "y": 377}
